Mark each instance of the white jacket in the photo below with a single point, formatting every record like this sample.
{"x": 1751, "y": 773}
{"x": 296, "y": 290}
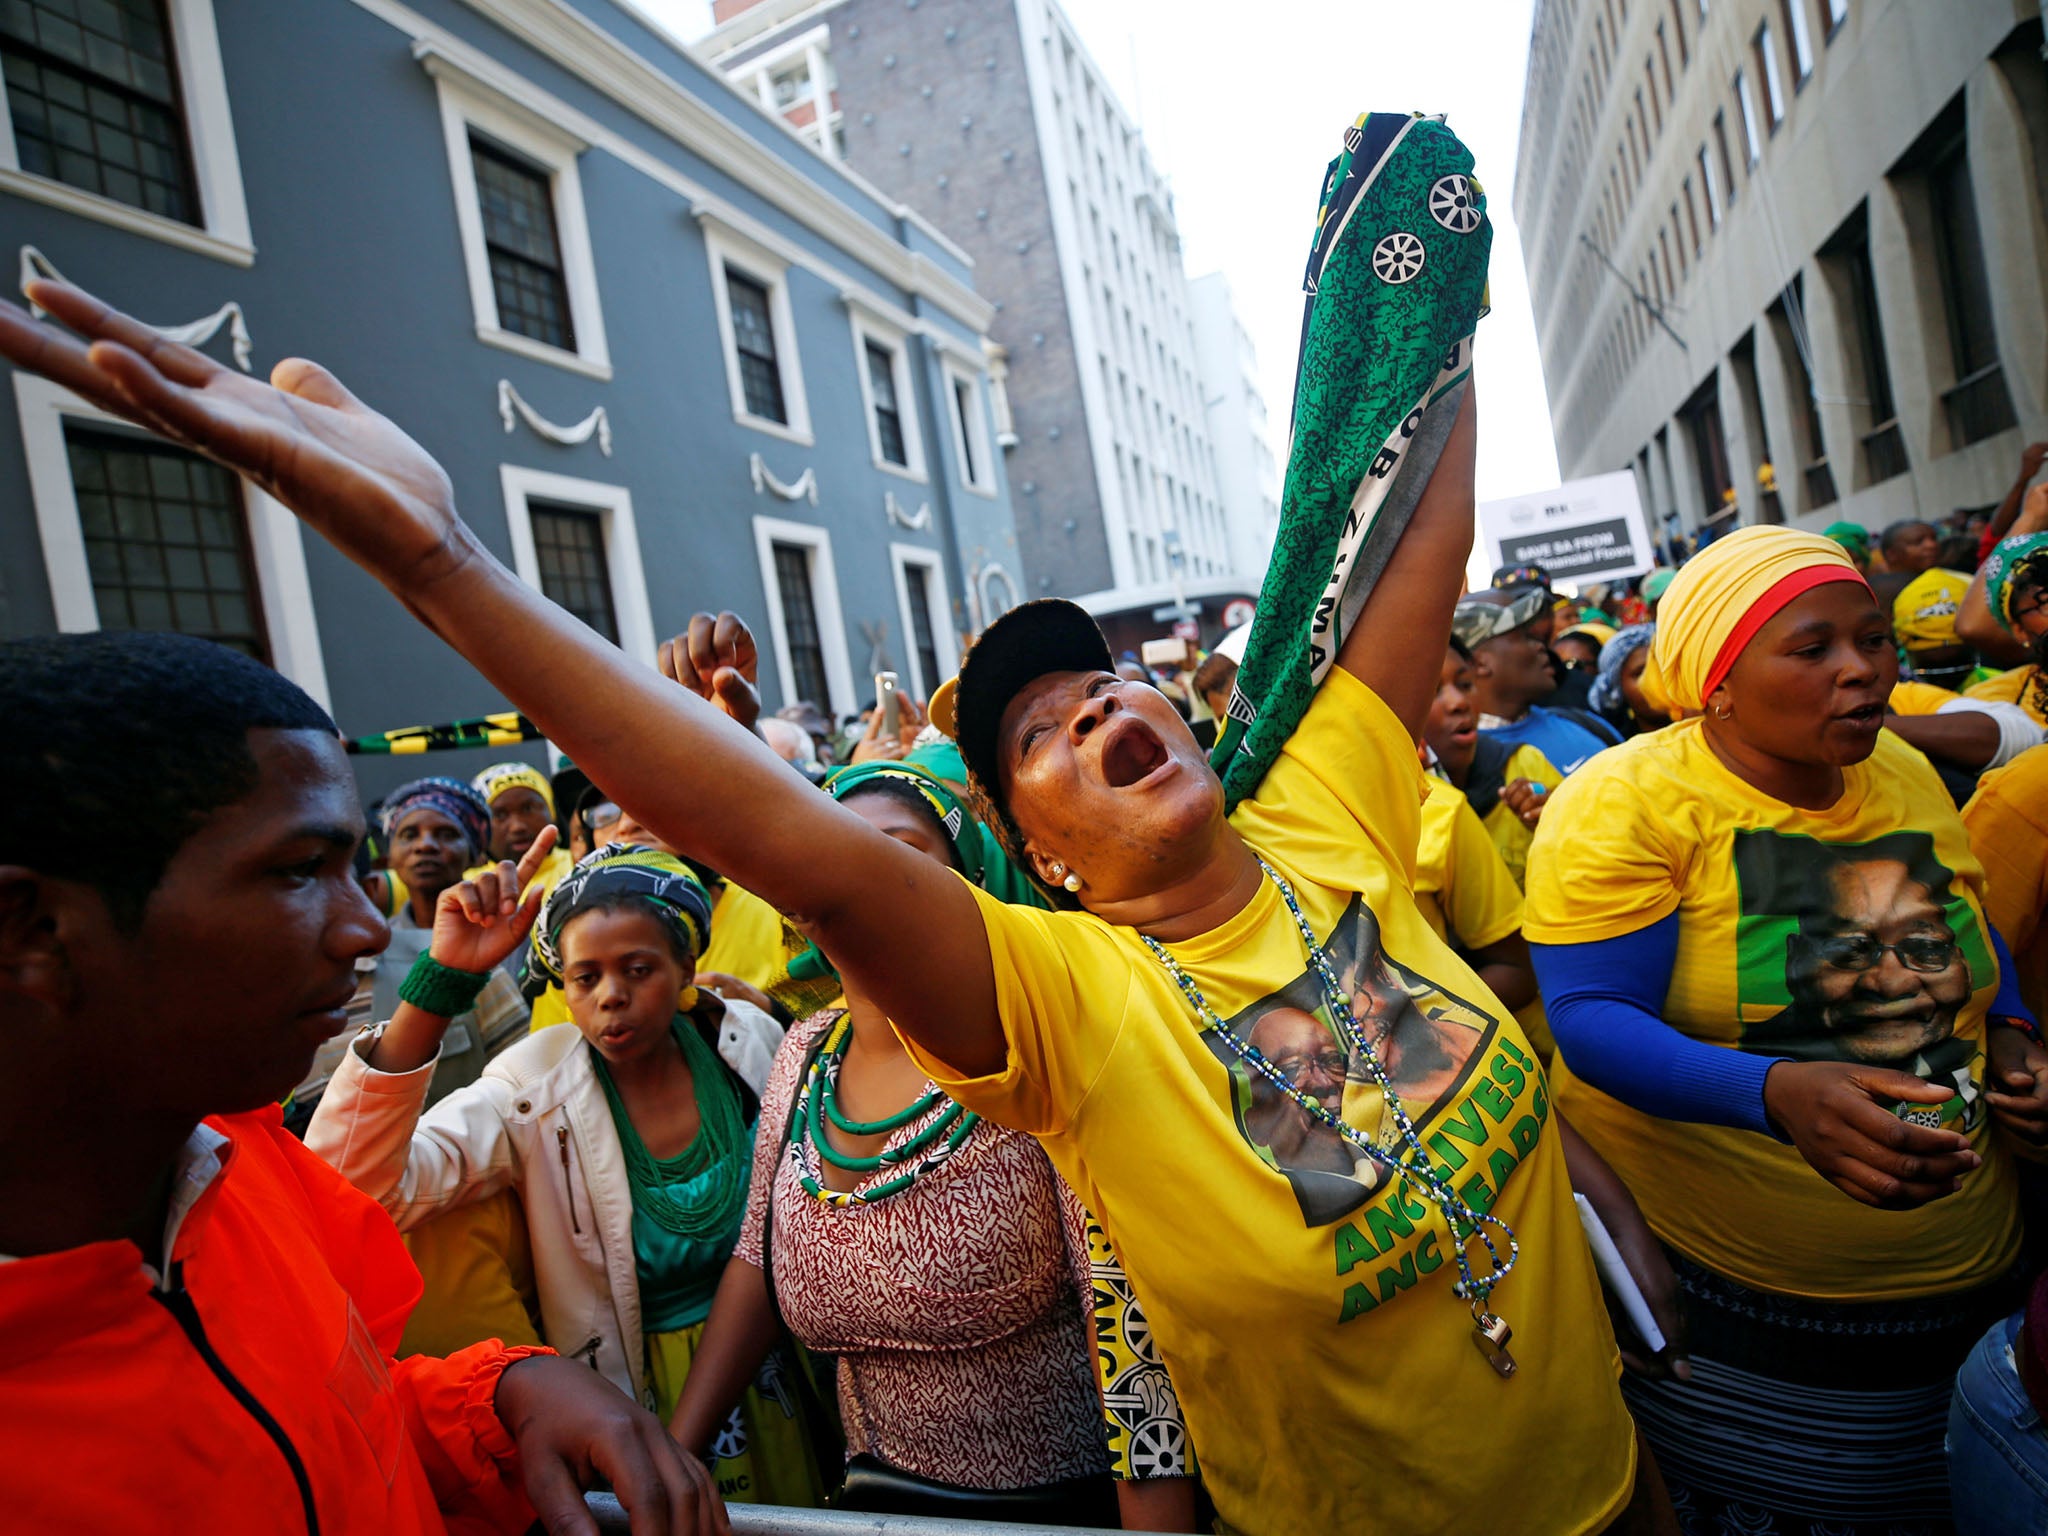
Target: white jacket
{"x": 536, "y": 1121}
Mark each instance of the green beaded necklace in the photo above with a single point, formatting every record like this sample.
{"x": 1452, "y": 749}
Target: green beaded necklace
{"x": 820, "y": 1103}
{"x": 720, "y": 1144}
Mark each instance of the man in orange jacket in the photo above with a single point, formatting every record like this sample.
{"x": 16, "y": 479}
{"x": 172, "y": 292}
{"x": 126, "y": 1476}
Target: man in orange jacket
{"x": 197, "y": 1316}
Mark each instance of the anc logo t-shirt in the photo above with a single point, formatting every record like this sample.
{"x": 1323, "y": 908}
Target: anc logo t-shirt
{"x": 1850, "y": 934}
{"x": 1300, "y": 1297}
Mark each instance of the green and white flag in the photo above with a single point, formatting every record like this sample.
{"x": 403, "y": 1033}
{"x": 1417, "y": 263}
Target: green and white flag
{"x": 1396, "y": 286}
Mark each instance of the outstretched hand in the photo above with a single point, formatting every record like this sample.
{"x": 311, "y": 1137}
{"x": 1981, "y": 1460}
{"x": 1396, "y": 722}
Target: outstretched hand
{"x": 365, "y": 485}
{"x": 480, "y": 921}
{"x": 1834, "y": 1113}
{"x": 572, "y": 1427}
{"x": 716, "y": 659}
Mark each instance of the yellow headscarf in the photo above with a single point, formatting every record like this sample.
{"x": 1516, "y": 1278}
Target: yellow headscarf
{"x": 499, "y": 777}
{"x": 1924, "y": 612}
{"x": 1722, "y": 597}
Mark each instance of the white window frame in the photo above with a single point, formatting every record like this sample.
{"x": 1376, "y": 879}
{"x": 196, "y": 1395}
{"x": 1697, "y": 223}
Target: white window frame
{"x": 891, "y": 339}
{"x": 223, "y": 231}
{"x": 275, "y": 541}
{"x": 467, "y": 106}
{"x": 944, "y": 643}
{"x": 624, "y": 569}
{"x": 727, "y": 248}
{"x": 978, "y": 436}
{"x": 769, "y": 532}
{"x": 1709, "y": 174}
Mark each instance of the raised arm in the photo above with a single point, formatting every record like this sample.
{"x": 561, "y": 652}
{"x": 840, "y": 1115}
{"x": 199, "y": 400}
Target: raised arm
{"x": 1975, "y": 624}
{"x": 690, "y": 773}
{"x": 1397, "y": 647}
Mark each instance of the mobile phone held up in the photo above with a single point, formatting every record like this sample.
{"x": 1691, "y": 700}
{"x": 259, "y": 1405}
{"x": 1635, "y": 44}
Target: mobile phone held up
{"x": 888, "y": 699}
{"x": 1169, "y": 655}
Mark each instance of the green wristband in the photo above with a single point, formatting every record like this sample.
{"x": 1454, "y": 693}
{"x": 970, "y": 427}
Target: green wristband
{"x": 440, "y": 989}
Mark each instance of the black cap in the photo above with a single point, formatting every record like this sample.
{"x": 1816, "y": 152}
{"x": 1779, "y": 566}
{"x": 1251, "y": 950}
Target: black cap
{"x": 1046, "y": 635}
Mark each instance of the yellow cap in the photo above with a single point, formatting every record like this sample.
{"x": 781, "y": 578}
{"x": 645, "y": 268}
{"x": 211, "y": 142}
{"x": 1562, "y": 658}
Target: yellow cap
{"x": 942, "y": 709}
{"x": 1924, "y": 612}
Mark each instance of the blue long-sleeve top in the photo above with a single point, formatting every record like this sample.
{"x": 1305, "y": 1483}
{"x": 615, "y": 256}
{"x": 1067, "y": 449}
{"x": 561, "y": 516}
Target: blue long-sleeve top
{"x": 1605, "y": 1000}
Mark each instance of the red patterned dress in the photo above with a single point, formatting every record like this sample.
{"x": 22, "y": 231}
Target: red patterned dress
{"x": 955, "y": 1306}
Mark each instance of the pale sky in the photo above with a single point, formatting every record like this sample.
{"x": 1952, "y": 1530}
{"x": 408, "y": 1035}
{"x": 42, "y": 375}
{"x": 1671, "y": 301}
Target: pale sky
{"x": 1243, "y": 108}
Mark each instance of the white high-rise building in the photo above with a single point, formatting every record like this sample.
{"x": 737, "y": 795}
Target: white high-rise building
{"x": 1246, "y": 470}
{"x": 991, "y": 120}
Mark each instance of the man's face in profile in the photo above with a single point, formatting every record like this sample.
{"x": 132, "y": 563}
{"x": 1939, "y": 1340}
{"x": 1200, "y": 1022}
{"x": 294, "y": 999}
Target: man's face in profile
{"x": 1884, "y": 972}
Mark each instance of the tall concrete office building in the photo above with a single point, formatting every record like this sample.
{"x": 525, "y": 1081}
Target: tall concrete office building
{"x": 1789, "y": 258}
{"x": 990, "y": 119}
{"x": 1245, "y": 467}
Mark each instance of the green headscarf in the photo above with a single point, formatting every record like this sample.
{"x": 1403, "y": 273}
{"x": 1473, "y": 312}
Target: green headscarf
{"x": 944, "y": 804}
{"x": 2014, "y": 563}
{"x": 1853, "y": 537}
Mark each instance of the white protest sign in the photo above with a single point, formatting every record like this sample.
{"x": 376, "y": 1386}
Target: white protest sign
{"x": 1585, "y": 531}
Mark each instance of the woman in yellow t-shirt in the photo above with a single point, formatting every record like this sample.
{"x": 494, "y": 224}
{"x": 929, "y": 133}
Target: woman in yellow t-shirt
{"x": 1360, "y": 1347}
{"x": 2008, "y": 822}
{"x": 1762, "y": 945}
{"x": 1505, "y": 786}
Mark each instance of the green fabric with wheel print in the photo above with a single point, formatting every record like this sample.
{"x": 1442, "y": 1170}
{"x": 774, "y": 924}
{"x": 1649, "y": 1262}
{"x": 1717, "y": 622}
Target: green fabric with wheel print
{"x": 1396, "y": 285}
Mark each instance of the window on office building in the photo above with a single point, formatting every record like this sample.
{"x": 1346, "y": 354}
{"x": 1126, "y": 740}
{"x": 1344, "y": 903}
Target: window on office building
{"x": 1701, "y": 418}
{"x": 1787, "y": 318}
{"x": 1727, "y": 160}
{"x": 753, "y": 334}
{"x": 1770, "y": 80}
{"x": 1710, "y": 187}
{"x": 1838, "y": 12}
{"x": 568, "y": 548}
{"x": 1794, "y": 12}
{"x": 888, "y": 413}
{"x": 1752, "y": 134}
{"x": 517, "y": 199}
{"x": 92, "y": 89}
{"x": 1678, "y": 31}
{"x": 166, "y": 540}
{"x": 1845, "y": 259}
{"x": 1979, "y": 403}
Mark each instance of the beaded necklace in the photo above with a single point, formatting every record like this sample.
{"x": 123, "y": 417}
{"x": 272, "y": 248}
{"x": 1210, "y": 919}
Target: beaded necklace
{"x": 721, "y": 1145}
{"x": 820, "y": 1102}
{"x": 1490, "y": 1333}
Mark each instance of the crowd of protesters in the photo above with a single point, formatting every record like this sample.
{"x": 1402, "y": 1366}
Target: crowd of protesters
{"x": 1582, "y": 1074}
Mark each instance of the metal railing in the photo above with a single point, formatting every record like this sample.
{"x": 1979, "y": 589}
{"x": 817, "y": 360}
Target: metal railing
{"x": 780, "y": 1520}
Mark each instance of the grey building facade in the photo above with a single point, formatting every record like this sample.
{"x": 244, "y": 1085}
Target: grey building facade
{"x": 671, "y": 359}
{"x": 990, "y": 117}
{"x": 1787, "y": 257}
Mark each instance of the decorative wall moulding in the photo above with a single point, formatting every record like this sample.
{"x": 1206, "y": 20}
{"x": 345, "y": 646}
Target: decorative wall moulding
{"x": 194, "y": 333}
{"x": 803, "y": 488}
{"x": 512, "y": 410}
{"x": 898, "y": 517}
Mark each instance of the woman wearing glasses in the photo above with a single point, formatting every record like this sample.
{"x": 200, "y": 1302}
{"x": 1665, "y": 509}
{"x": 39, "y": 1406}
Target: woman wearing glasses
{"x": 1781, "y": 1014}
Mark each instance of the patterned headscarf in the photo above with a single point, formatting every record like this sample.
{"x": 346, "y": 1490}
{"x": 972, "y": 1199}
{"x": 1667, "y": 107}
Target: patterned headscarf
{"x": 661, "y": 880}
{"x": 943, "y": 803}
{"x": 1725, "y": 594}
{"x": 2014, "y": 563}
{"x": 451, "y": 798}
{"x": 1606, "y": 693}
{"x": 499, "y": 777}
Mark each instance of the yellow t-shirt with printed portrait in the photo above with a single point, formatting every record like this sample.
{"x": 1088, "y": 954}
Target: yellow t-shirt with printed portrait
{"x": 1855, "y": 933}
{"x": 1300, "y": 1298}
{"x": 2015, "y": 687}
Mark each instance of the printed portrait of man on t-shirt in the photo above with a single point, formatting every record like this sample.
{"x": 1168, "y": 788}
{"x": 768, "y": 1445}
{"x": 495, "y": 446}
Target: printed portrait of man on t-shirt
{"x": 1878, "y": 957}
{"x": 1424, "y": 1036}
